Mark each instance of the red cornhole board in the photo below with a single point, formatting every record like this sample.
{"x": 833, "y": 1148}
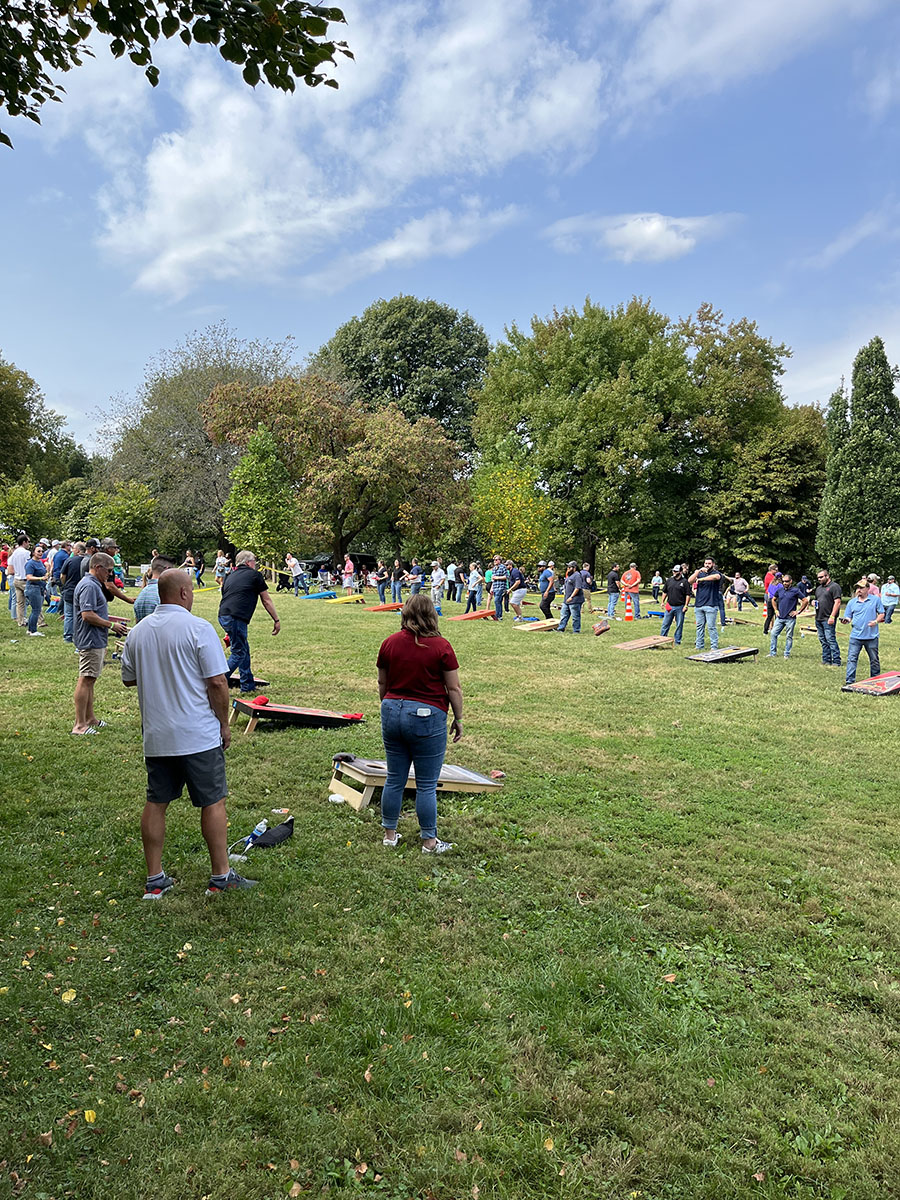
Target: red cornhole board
{"x": 725, "y": 654}
{"x": 382, "y": 608}
{"x": 475, "y": 616}
{"x": 288, "y": 714}
{"x": 886, "y": 684}
{"x": 235, "y": 681}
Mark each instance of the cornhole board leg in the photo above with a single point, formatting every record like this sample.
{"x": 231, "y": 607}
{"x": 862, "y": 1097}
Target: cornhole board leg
{"x": 232, "y": 720}
{"x": 251, "y": 725}
{"x": 356, "y": 799}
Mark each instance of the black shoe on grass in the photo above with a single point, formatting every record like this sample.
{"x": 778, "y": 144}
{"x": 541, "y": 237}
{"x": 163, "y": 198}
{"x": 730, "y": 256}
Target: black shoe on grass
{"x": 230, "y": 883}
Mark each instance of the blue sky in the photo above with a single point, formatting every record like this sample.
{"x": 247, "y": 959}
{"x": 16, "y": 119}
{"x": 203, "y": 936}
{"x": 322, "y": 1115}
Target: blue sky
{"x": 503, "y": 157}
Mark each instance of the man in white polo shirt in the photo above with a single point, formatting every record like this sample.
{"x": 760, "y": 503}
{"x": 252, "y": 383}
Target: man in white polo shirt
{"x": 175, "y": 661}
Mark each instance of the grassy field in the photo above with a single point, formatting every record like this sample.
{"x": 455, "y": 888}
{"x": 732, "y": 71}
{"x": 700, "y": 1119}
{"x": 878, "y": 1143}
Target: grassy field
{"x": 662, "y": 964}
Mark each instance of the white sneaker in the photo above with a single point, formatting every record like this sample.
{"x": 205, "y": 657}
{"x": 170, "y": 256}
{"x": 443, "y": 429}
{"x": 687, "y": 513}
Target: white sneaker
{"x": 439, "y": 847}
{"x": 37, "y": 635}
{"x": 391, "y": 845}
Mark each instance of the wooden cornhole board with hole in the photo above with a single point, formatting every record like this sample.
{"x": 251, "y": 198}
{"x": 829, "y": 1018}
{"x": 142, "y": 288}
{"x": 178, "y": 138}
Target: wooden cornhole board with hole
{"x": 534, "y": 626}
{"x": 886, "y": 684}
{"x": 478, "y": 615}
{"x": 383, "y": 608}
{"x": 319, "y": 596}
{"x": 235, "y": 681}
{"x": 647, "y": 643}
{"x": 740, "y": 621}
{"x": 288, "y": 714}
{"x": 805, "y": 629}
{"x": 725, "y": 654}
{"x": 372, "y": 774}
{"x": 356, "y": 598}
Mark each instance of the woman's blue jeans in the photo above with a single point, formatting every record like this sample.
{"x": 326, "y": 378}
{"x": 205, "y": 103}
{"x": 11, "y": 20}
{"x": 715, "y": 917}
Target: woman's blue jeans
{"x": 382, "y": 589}
{"x": 34, "y": 600}
{"x": 411, "y": 739}
{"x": 396, "y": 592}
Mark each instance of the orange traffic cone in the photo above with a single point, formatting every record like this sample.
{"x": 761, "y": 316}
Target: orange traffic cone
{"x": 629, "y": 607}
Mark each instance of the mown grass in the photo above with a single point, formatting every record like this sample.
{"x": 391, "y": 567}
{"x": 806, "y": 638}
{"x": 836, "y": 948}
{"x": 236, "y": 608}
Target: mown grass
{"x": 663, "y": 962}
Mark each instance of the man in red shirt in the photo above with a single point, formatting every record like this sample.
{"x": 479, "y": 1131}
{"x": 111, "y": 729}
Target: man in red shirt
{"x": 631, "y": 581}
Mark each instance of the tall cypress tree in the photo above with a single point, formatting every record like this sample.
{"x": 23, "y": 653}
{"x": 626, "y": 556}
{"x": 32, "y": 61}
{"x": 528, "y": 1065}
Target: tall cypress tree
{"x": 859, "y": 522}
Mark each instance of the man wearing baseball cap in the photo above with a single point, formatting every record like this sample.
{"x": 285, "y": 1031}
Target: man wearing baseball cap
{"x": 890, "y": 598}
{"x": 678, "y": 593}
{"x": 573, "y": 599}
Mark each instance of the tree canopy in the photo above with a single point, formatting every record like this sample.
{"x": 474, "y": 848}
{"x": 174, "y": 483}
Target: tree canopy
{"x": 352, "y": 471}
{"x": 425, "y": 357}
{"x": 274, "y": 41}
{"x": 859, "y": 521}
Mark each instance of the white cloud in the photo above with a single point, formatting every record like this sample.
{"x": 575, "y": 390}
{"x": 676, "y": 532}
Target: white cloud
{"x": 440, "y": 233}
{"x": 637, "y": 237}
{"x": 699, "y": 46}
{"x": 443, "y": 95}
{"x": 882, "y": 92}
{"x": 882, "y": 223}
{"x": 816, "y": 368}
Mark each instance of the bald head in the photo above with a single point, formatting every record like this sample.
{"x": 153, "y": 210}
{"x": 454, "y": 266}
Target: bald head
{"x": 175, "y": 588}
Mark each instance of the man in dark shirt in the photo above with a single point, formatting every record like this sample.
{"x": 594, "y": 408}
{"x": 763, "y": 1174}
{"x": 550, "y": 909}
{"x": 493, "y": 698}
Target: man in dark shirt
{"x": 706, "y": 602}
{"x": 69, "y": 578}
{"x": 828, "y": 607}
{"x": 240, "y": 592}
{"x": 786, "y": 598}
{"x": 677, "y": 591}
{"x": 91, "y": 546}
{"x": 573, "y": 599}
{"x": 612, "y": 588}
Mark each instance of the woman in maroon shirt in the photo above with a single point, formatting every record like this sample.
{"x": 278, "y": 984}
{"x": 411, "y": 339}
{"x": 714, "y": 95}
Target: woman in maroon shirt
{"x": 418, "y": 680}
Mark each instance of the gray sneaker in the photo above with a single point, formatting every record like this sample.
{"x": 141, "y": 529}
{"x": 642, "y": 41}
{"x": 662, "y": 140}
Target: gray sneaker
{"x": 233, "y": 881}
{"x": 439, "y": 847}
{"x": 158, "y": 889}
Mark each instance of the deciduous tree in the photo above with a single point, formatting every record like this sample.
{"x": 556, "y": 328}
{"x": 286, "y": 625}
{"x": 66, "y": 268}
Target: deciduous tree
{"x": 354, "y": 472}
{"x": 511, "y": 513}
{"x": 24, "y": 505}
{"x": 423, "y": 356}
{"x": 274, "y": 41}
{"x": 260, "y": 513}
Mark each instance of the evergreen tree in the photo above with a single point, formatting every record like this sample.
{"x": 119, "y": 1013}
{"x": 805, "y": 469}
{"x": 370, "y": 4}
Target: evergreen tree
{"x": 859, "y": 522}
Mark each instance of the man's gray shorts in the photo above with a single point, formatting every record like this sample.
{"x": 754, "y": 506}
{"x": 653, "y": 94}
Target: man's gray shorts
{"x": 203, "y": 773}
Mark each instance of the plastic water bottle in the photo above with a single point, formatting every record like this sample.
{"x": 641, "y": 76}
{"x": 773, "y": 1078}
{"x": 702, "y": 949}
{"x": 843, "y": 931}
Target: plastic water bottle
{"x": 257, "y": 832}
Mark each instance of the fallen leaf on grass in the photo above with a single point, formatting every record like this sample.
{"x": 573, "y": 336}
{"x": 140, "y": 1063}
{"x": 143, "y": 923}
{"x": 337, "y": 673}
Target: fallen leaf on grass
{"x": 460, "y": 1156}
{"x": 479, "y": 1126}
{"x": 46, "y": 1139}
{"x": 368, "y": 1073}
{"x": 294, "y": 1164}
{"x": 759, "y": 1176}
{"x": 68, "y": 995}
{"x": 670, "y": 978}
{"x": 548, "y": 1143}
{"x": 295, "y": 1190}
{"x": 241, "y": 1041}
{"x": 90, "y": 1116}
{"x": 710, "y": 1082}
{"x": 178, "y": 1129}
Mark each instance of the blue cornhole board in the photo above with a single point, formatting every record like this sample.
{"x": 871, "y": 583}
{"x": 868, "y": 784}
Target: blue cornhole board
{"x": 319, "y": 596}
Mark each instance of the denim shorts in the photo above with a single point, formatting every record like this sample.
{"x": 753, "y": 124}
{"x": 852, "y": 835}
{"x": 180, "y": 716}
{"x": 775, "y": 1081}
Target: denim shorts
{"x": 203, "y": 773}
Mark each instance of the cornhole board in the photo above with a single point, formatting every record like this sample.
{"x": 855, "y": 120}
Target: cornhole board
{"x": 654, "y": 612}
{"x": 319, "y": 596}
{"x": 804, "y": 629}
{"x": 235, "y": 681}
{"x": 886, "y": 684}
{"x": 383, "y": 608}
{"x": 725, "y": 654}
{"x": 475, "y": 616}
{"x": 288, "y": 714}
{"x": 372, "y": 774}
{"x": 602, "y": 626}
{"x": 534, "y": 626}
{"x": 647, "y": 643}
{"x": 356, "y": 598}
{"x": 740, "y": 621}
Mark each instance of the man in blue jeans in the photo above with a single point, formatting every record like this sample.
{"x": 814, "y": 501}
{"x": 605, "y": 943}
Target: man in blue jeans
{"x": 864, "y": 613}
{"x": 828, "y": 608}
{"x": 786, "y": 597}
{"x": 573, "y": 599}
{"x": 677, "y": 592}
{"x": 499, "y": 585}
{"x": 241, "y": 588}
{"x": 612, "y": 590}
{"x": 706, "y": 602}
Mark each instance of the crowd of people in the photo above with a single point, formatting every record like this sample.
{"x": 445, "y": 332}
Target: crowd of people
{"x": 176, "y": 662}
